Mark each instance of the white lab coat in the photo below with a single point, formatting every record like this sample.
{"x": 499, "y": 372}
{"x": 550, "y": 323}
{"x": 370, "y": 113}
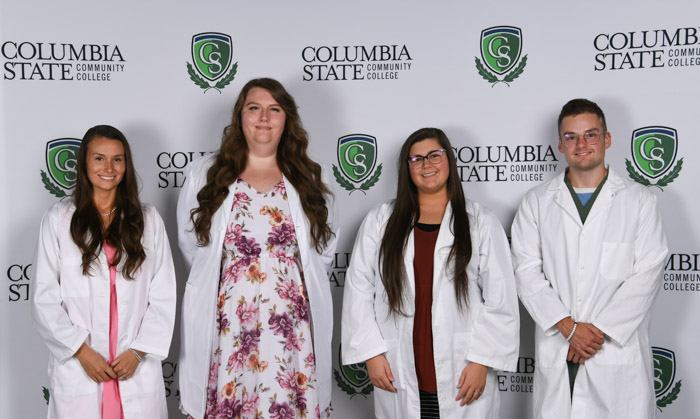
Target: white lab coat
{"x": 606, "y": 272}
{"x": 486, "y": 332}
{"x": 69, "y": 309}
{"x": 199, "y": 302}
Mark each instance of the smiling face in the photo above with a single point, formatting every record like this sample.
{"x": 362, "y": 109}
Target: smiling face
{"x": 583, "y": 157}
{"x": 431, "y": 178}
{"x": 262, "y": 120}
{"x": 105, "y": 165}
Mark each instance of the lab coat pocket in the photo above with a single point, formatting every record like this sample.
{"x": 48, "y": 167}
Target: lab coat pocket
{"x": 69, "y": 378}
{"x": 147, "y": 379}
{"x": 73, "y": 282}
{"x": 551, "y": 351}
{"x": 613, "y": 354}
{"x": 459, "y": 353}
{"x": 393, "y": 356}
{"x": 616, "y": 260}
{"x": 460, "y": 350}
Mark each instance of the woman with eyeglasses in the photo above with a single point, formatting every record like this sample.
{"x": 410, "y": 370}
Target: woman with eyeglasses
{"x": 430, "y": 302}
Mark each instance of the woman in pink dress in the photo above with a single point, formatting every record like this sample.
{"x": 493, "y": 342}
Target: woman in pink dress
{"x": 103, "y": 297}
{"x": 255, "y": 228}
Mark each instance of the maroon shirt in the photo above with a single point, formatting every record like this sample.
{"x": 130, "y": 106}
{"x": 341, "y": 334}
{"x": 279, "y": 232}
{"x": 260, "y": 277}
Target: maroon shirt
{"x": 424, "y": 244}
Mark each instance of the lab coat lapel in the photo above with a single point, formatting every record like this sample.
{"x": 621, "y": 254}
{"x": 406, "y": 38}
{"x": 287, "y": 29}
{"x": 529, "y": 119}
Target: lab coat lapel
{"x": 606, "y": 195}
{"x": 410, "y": 297}
{"x": 564, "y": 199}
{"x": 443, "y": 244}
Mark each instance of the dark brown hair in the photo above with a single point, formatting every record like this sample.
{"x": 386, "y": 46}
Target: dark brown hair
{"x": 292, "y": 159}
{"x": 406, "y": 214}
{"x": 577, "y": 107}
{"x": 126, "y": 229}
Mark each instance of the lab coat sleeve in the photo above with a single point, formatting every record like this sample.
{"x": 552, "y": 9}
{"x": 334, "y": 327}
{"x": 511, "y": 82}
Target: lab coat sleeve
{"x": 628, "y": 306}
{"x": 495, "y": 336}
{"x": 186, "y": 202}
{"x": 361, "y": 337}
{"x": 328, "y": 254}
{"x": 156, "y": 329}
{"x": 534, "y": 289}
{"x": 50, "y": 318}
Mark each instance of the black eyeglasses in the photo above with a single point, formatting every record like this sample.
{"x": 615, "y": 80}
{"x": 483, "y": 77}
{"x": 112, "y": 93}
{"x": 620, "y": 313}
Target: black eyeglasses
{"x": 434, "y": 157}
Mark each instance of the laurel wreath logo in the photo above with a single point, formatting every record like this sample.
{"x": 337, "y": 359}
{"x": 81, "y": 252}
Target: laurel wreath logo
{"x": 223, "y": 82}
{"x": 664, "y": 181}
{"x": 52, "y": 187}
{"x": 46, "y": 394}
{"x": 348, "y": 389}
{"x": 670, "y": 397}
{"x": 493, "y": 78}
{"x": 351, "y": 187}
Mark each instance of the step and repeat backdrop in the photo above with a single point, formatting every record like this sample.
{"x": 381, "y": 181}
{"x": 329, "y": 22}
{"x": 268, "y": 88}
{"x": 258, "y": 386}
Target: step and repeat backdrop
{"x": 493, "y": 76}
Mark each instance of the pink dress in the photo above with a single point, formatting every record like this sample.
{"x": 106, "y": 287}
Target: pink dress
{"x": 111, "y": 399}
{"x": 263, "y": 361}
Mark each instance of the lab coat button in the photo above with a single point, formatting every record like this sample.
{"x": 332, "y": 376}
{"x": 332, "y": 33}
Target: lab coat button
{"x": 124, "y": 301}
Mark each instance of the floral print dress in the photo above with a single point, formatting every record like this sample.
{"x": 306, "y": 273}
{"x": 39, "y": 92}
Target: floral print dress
{"x": 263, "y": 357}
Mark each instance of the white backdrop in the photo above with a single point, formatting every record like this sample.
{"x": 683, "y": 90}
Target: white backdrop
{"x": 381, "y": 69}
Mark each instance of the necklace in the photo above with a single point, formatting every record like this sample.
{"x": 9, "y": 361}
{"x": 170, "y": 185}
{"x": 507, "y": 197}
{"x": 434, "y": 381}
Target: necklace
{"x": 109, "y": 213}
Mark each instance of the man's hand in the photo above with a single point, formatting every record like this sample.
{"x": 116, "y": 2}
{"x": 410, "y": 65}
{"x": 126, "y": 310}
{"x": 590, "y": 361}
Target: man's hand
{"x": 380, "y": 373}
{"x": 586, "y": 341}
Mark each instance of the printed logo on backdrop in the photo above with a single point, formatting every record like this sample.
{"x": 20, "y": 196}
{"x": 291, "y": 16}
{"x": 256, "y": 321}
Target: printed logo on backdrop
{"x": 355, "y": 62}
{"x": 501, "y": 47}
{"x": 502, "y": 163}
{"x": 520, "y": 381}
{"x": 172, "y": 165}
{"x": 212, "y": 55}
{"x": 61, "y": 164}
{"x": 645, "y": 49}
{"x": 18, "y": 278}
{"x": 682, "y": 273}
{"x": 654, "y": 151}
{"x": 341, "y": 262}
{"x": 664, "y": 375}
{"x": 52, "y": 61}
{"x": 357, "y": 156}
{"x": 353, "y": 379}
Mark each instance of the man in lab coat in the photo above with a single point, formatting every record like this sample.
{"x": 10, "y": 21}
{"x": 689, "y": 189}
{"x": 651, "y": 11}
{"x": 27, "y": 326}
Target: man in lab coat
{"x": 589, "y": 250}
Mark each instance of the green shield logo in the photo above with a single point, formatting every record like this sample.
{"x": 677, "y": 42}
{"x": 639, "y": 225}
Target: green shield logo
{"x": 211, "y": 53}
{"x": 62, "y": 160}
{"x": 353, "y": 379}
{"x": 664, "y": 370}
{"x": 501, "y": 47}
{"x": 654, "y": 149}
{"x": 357, "y": 155}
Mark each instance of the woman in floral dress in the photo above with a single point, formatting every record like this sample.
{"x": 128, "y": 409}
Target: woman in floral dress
{"x": 257, "y": 329}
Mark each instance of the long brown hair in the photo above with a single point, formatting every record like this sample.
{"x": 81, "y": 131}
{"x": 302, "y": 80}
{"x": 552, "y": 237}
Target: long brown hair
{"x": 406, "y": 214}
{"x": 126, "y": 229}
{"x": 292, "y": 159}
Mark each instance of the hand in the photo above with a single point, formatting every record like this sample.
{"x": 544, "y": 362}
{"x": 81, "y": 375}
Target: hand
{"x": 94, "y": 365}
{"x": 125, "y": 364}
{"x": 586, "y": 341}
{"x": 471, "y": 383}
{"x": 380, "y": 373}
{"x": 574, "y": 357}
